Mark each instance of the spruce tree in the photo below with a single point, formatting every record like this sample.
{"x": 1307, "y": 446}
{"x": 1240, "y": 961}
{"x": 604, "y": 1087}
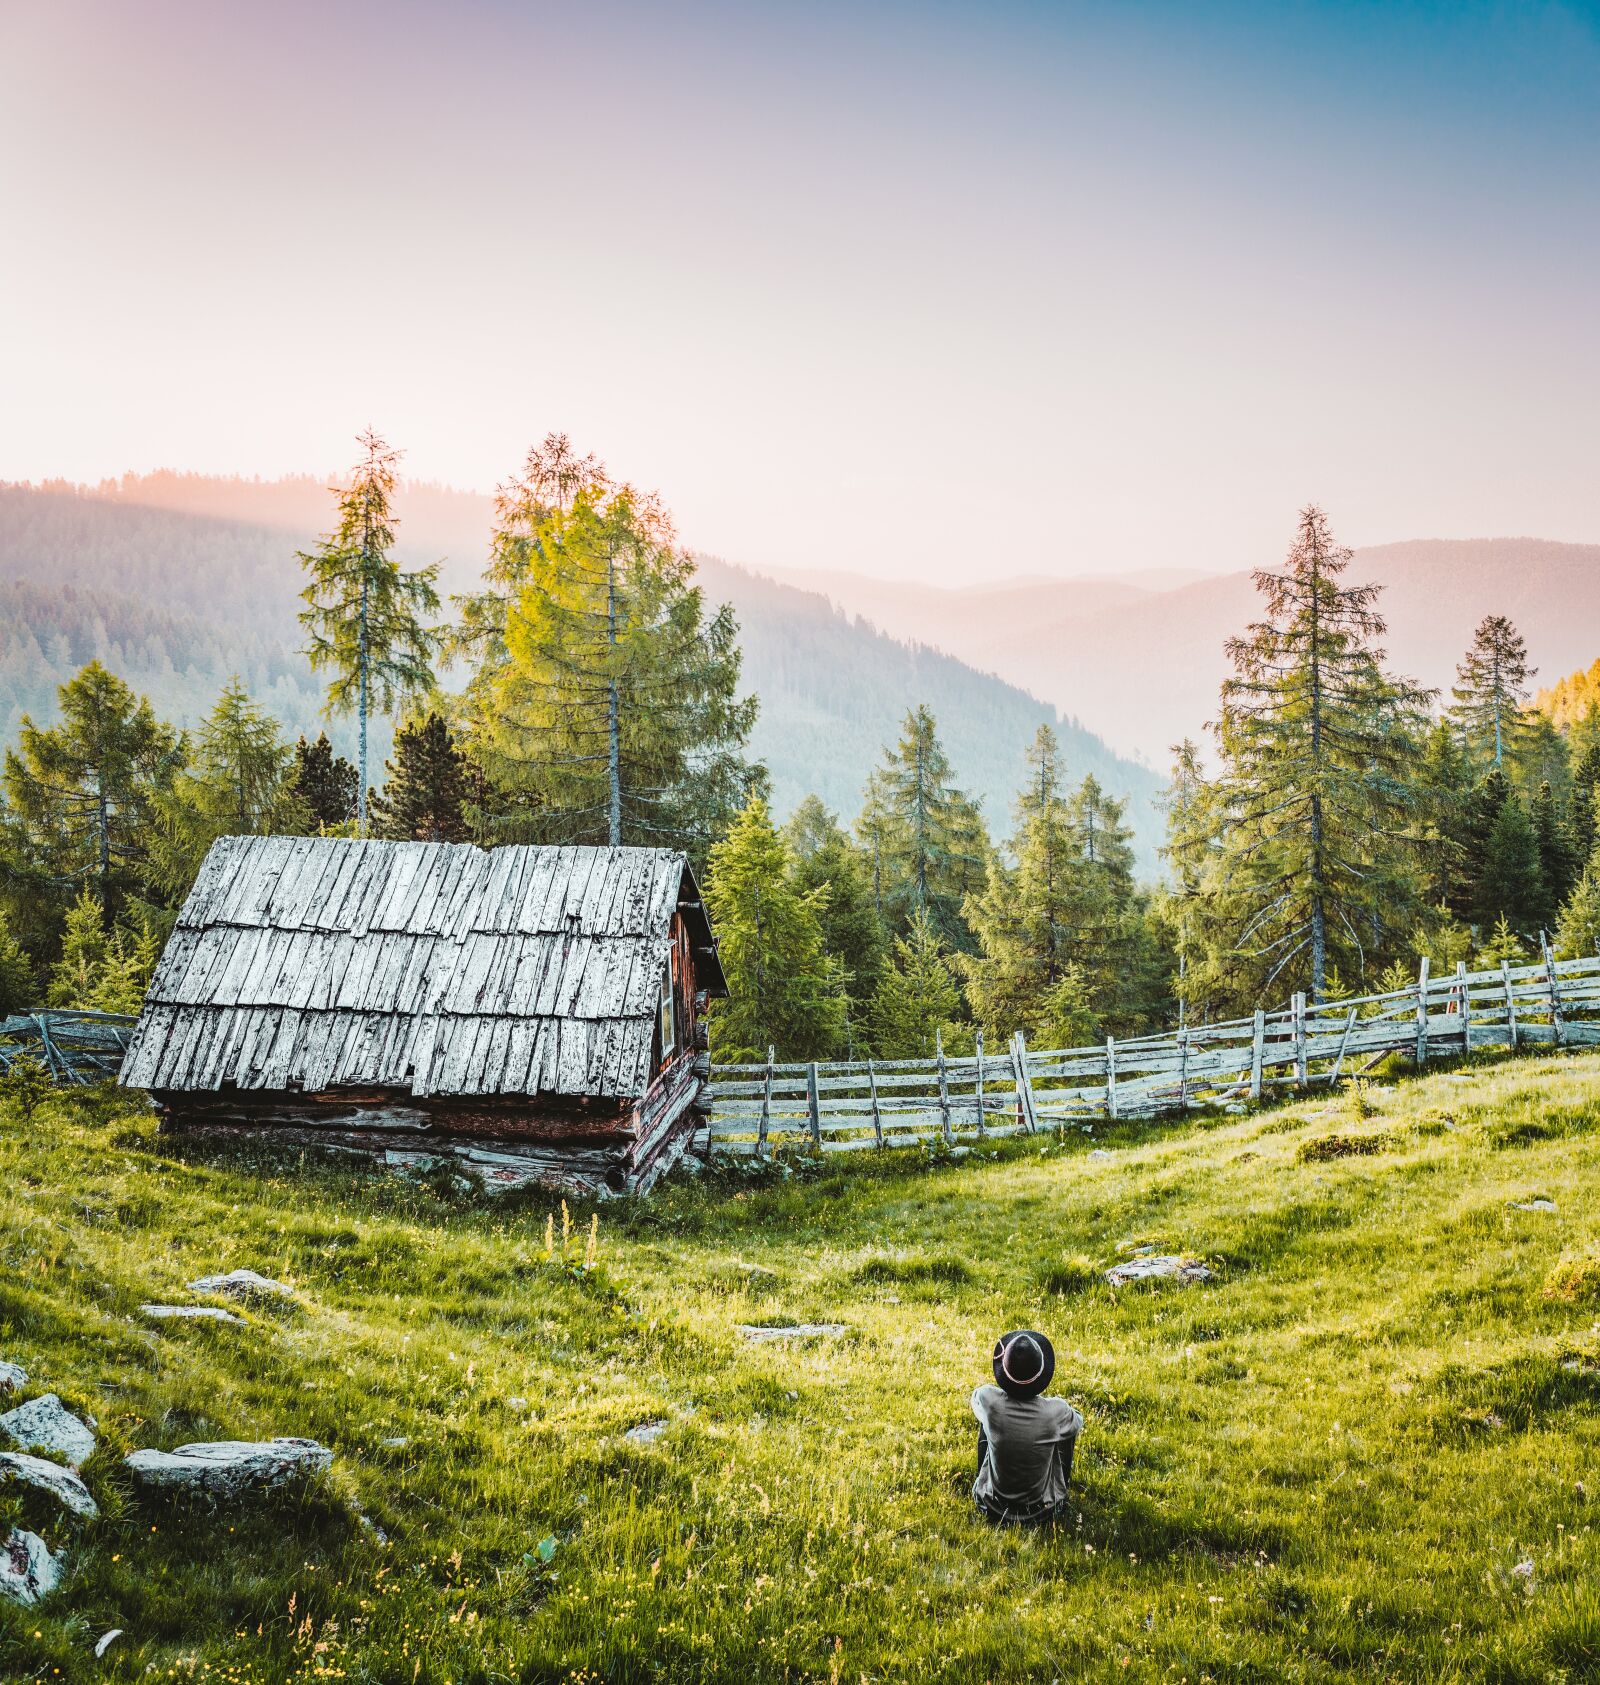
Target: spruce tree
{"x": 1558, "y": 860}
{"x": 1491, "y": 686}
{"x": 1317, "y": 746}
{"x": 100, "y": 970}
{"x": 239, "y": 782}
{"x": 605, "y": 703}
{"x": 1444, "y": 785}
{"x": 1586, "y": 800}
{"x": 425, "y": 796}
{"x": 17, "y": 987}
{"x": 784, "y": 990}
{"x": 1578, "y": 927}
{"x": 917, "y": 999}
{"x": 363, "y": 614}
{"x": 829, "y": 868}
{"x": 326, "y": 783}
{"x": 1509, "y": 883}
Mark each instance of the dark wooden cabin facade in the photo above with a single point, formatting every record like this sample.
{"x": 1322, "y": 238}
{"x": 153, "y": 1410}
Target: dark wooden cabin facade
{"x": 535, "y": 1013}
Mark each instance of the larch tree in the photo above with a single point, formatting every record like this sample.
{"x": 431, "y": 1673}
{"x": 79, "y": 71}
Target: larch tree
{"x": 1317, "y": 743}
{"x": 784, "y": 991}
{"x": 605, "y": 704}
{"x": 363, "y": 614}
{"x": 326, "y": 783}
{"x": 425, "y": 797}
{"x": 1491, "y": 686}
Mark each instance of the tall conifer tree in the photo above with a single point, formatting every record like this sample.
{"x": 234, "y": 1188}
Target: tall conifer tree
{"x": 326, "y": 783}
{"x": 1491, "y": 686}
{"x": 425, "y": 796}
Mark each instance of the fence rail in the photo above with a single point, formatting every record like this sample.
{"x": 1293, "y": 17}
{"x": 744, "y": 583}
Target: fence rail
{"x": 75, "y": 1048}
{"x": 849, "y": 1105}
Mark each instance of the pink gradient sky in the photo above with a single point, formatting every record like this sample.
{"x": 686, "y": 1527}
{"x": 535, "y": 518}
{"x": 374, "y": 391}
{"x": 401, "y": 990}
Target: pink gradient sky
{"x": 943, "y": 290}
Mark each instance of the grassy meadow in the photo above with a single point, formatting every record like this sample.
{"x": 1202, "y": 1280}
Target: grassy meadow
{"x": 1368, "y": 1449}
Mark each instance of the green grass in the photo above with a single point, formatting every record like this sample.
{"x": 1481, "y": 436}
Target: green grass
{"x": 1369, "y": 1449}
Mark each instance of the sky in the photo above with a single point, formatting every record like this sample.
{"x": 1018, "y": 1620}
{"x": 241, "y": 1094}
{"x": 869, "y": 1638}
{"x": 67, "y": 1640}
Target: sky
{"x": 931, "y": 291}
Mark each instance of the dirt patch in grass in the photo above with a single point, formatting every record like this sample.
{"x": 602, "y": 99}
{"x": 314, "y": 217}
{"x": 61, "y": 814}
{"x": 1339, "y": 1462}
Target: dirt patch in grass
{"x": 1575, "y": 1278}
{"x": 1320, "y": 1148}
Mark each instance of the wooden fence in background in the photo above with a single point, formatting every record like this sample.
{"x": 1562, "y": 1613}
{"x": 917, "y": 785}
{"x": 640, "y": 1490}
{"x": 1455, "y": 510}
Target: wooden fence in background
{"x": 1015, "y": 1089}
{"x": 77, "y": 1049}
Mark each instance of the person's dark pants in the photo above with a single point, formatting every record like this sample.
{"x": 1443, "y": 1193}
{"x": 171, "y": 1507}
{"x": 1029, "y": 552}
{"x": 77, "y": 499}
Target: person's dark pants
{"x": 1039, "y": 1518}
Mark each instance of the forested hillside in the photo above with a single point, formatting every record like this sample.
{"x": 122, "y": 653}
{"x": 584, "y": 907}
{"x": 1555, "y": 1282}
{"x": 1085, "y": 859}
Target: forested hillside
{"x": 177, "y": 599}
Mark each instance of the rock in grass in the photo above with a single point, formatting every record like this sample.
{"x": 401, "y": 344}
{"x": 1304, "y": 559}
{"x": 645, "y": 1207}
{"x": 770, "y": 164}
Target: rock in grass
{"x": 800, "y": 1331}
{"x": 229, "y": 1468}
{"x": 105, "y": 1641}
{"x": 46, "y": 1422}
{"x": 13, "y": 1377}
{"x": 646, "y": 1433}
{"x": 27, "y": 1569}
{"x": 190, "y": 1313}
{"x": 1184, "y": 1271}
{"x": 243, "y": 1285}
{"x": 1533, "y": 1205}
{"x": 44, "y": 1476}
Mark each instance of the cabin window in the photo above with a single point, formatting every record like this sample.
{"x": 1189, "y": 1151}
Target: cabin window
{"x": 669, "y": 1014}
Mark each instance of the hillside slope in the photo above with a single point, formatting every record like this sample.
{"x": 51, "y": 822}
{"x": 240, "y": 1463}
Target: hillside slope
{"x": 177, "y": 599}
{"x": 1271, "y": 1484}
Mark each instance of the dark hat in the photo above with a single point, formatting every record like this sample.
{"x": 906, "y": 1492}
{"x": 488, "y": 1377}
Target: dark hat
{"x": 1024, "y": 1361}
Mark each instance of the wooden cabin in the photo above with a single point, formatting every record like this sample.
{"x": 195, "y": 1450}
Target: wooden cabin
{"x": 537, "y": 1014}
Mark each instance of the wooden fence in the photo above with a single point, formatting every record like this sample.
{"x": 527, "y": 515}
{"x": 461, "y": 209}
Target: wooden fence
{"x": 1016, "y": 1089}
{"x": 75, "y": 1048}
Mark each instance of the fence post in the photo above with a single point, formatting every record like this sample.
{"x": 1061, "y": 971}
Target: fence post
{"x": 1422, "y": 1011}
{"x": 1300, "y": 1038}
{"x": 1555, "y": 994}
{"x": 1258, "y": 1042}
{"x": 1183, "y": 1070}
{"x": 1464, "y": 995}
{"x": 814, "y": 1104}
{"x": 1111, "y": 1078}
{"x": 944, "y": 1088}
{"x": 1344, "y": 1042}
{"x": 877, "y": 1116}
{"x": 766, "y": 1106}
{"x": 1019, "y": 1065}
{"x": 980, "y": 1085}
{"x": 1511, "y": 1002}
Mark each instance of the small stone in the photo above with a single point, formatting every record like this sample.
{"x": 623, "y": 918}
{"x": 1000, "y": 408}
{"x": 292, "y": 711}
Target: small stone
{"x": 105, "y": 1641}
{"x": 13, "y": 1377}
{"x": 46, "y": 1422}
{"x": 1524, "y": 1569}
{"x": 229, "y": 1468}
{"x": 190, "y": 1313}
{"x": 516, "y": 1404}
{"x": 646, "y": 1433}
{"x": 1182, "y": 1270}
{"x": 372, "y": 1527}
{"x": 243, "y": 1285}
{"x": 1101, "y": 1152}
{"x": 44, "y": 1476}
{"x": 397, "y": 1442}
{"x": 800, "y": 1331}
{"x": 1533, "y": 1205}
{"x": 27, "y": 1569}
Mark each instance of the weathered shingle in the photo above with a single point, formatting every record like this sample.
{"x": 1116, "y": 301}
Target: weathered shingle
{"x": 316, "y": 962}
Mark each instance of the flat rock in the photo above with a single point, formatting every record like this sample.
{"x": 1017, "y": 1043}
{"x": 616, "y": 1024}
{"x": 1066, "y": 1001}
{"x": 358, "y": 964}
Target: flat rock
{"x": 44, "y": 1476}
{"x": 229, "y": 1468}
{"x": 1533, "y": 1205}
{"x": 1169, "y": 1268}
{"x": 105, "y": 1641}
{"x": 1101, "y": 1152}
{"x": 242, "y": 1284}
{"x": 45, "y": 1421}
{"x": 13, "y": 1377}
{"x": 800, "y": 1331}
{"x": 646, "y": 1433}
{"x": 27, "y": 1569}
{"x": 190, "y": 1313}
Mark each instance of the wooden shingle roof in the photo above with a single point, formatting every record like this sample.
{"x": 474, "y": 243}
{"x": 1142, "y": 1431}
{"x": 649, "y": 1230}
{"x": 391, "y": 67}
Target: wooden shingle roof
{"x": 442, "y": 968}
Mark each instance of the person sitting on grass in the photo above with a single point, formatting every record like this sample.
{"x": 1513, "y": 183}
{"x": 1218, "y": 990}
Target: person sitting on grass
{"x": 1025, "y": 1442}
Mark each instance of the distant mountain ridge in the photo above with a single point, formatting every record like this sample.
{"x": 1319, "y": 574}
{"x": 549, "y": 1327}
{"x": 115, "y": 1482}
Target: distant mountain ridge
{"x": 176, "y": 595}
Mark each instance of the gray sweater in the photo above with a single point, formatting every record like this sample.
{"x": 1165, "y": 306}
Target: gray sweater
{"x": 1024, "y": 1472}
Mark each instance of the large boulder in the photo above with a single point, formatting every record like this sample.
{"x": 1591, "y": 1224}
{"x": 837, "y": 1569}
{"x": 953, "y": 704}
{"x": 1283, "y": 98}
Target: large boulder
{"x": 62, "y": 1484}
{"x": 243, "y": 1285}
{"x": 46, "y": 1423}
{"x": 27, "y": 1569}
{"x": 229, "y": 1468}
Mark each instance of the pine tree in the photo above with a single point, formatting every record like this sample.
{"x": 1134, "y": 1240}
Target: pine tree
{"x": 17, "y": 988}
{"x": 363, "y": 614}
{"x": 240, "y": 782}
{"x": 917, "y": 999}
{"x": 1504, "y": 947}
{"x": 1578, "y": 928}
{"x": 1509, "y": 885}
{"x": 1586, "y": 799}
{"x": 829, "y": 868}
{"x": 1188, "y": 850}
{"x": 1491, "y": 686}
{"x": 604, "y": 706}
{"x": 100, "y": 970}
{"x": 326, "y": 783}
{"x": 1317, "y": 745}
{"x": 926, "y": 838}
{"x": 1444, "y": 784}
{"x": 784, "y": 991}
{"x": 81, "y": 795}
{"x": 428, "y": 787}
{"x": 1558, "y": 861}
